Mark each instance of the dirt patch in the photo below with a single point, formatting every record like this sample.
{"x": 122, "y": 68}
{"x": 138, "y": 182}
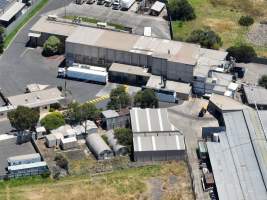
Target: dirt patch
{"x": 220, "y": 25}
{"x": 258, "y": 35}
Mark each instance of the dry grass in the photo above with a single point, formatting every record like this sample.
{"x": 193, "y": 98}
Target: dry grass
{"x": 127, "y": 184}
{"x": 222, "y": 16}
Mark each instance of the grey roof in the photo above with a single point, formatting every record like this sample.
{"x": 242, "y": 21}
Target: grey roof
{"x": 24, "y": 157}
{"x": 182, "y": 88}
{"x": 37, "y": 99}
{"x": 97, "y": 144}
{"x": 239, "y": 161}
{"x": 129, "y": 69}
{"x": 51, "y": 137}
{"x": 163, "y": 142}
{"x": 256, "y": 95}
{"x": 150, "y": 120}
{"x": 225, "y": 103}
{"x": 80, "y": 129}
{"x": 27, "y": 166}
{"x": 66, "y": 130}
{"x": 113, "y": 142}
{"x": 110, "y": 114}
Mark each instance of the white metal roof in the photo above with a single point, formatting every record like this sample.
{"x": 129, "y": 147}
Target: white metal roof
{"x": 88, "y": 71}
{"x": 232, "y": 86}
{"x": 158, "y": 6}
{"x": 40, "y": 129}
{"x": 27, "y": 166}
{"x": 68, "y": 140}
{"x": 150, "y": 120}
{"x": 24, "y": 157}
{"x": 12, "y": 11}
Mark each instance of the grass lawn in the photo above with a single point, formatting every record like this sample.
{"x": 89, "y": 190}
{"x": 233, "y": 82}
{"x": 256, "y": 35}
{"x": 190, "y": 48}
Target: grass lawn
{"x": 10, "y": 36}
{"x": 221, "y": 18}
{"x": 120, "y": 185}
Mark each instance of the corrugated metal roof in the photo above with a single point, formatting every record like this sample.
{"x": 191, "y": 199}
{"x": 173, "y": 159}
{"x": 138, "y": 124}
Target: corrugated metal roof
{"x": 163, "y": 142}
{"x": 157, "y": 6}
{"x": 97, "y": 144}
{"x": 150, "y": 120}
{"x": 240, "y": 158}
{"x": 256, "y": 95}
{"x": 12, "y": 11}
{"x": 24, "y": 157}
{"x": 110, "y": 113}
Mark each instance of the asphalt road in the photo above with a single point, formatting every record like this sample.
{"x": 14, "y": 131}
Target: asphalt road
{"x": 20, "y": 65}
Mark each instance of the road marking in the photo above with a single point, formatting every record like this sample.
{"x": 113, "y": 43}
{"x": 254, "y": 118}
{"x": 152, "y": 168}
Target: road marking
{"x": 23, "y": 53}
{"x": 98, "y": 99}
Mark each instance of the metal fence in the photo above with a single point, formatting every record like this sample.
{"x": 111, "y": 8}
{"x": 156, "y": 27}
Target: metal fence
{"x": 17, "y": 22}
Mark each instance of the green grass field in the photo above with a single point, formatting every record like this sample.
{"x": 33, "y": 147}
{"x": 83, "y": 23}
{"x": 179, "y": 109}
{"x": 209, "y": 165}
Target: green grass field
{"x": 222, "y": 18}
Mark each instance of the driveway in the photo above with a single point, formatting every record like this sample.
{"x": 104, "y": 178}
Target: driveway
{"x": 185, "y": 118}
{"x": 20, "y": 65}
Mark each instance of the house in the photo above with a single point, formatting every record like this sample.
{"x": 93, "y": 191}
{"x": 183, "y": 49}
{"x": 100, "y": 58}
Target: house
{"x": 154, "y": 137}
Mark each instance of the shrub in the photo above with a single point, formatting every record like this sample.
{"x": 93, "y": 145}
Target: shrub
{"x": 53, "y": 121}
{"x": 124, "y": 137}
{"x": 206, "y": 38}
{"x": 146, "y": 99}
{"x": 246, "y": 21}
{"x": 242, "y": 53}
{"x": 52, "y": 46}
{"x": 263, "y": 81}
{"x": 181, "y": 10}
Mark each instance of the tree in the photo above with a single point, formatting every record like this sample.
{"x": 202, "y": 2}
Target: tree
{"x": 124, "y": 137}
{"x": 53, "y": 121}
{"x": 119, "y": 98}
{"x": 146, "y": 99}
{"x": 246, "y": 21}
{"x": 242, "y": 53}
{"x": 80, "y": 113}
{"x": 263, "y": 81}
{"x": 206, "y": 38}
{"x": 52, "y": 46}
{"x": 23, "y": 118}
{"x": 181, "y": 10}
{"x": 2, "y": 35}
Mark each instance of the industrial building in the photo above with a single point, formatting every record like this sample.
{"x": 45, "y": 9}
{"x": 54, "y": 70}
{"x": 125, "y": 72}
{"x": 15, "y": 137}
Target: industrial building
{"x": 165, "y": 88}
{"x": 255, "y": 95}
{"x": 238, "y": 158}
{"x": 175, "y": 60}
{"x": 98, "y": 146}
{"x": 40, "y": 99}
{"x": 113, "y": 119}
{"x": 154, "y": 137}
{"x": 119, "y": 150}
{"x": 130, "y": 74}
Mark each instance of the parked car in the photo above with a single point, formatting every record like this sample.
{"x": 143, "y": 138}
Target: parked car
{"x": 108, "y": 3}
{"x": 100, "y": 2}
{"x": 116, "y": 5}
{"x": 91, "y": 1}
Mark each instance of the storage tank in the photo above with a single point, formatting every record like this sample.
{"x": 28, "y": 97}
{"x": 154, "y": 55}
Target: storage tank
{"x": 118, "y": 149}
{"x": 91, "y": 74}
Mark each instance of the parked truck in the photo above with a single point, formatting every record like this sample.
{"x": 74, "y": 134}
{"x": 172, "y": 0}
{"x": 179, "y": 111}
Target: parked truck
{"x": 95, "y": 74}
{"x": 126, "y": 4}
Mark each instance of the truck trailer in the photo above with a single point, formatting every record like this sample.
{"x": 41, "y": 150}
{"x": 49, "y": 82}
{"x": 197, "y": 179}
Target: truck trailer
{"x": 95, "y": 74}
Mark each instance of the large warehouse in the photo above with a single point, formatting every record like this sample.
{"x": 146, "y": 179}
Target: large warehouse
{"x": 154, "y": 137}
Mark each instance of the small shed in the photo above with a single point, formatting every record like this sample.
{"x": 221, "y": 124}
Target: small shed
{"x": 118, "y": 149}
{"x": 156, "y": 8}
{"x": 40, "y": 132}
{"x": 50, "y": 140}
{"x": 113, "y": 119}
{"x": 80, "y": 129}
{"x": 68, "y": 143}
{"x": 98, "y": 146}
